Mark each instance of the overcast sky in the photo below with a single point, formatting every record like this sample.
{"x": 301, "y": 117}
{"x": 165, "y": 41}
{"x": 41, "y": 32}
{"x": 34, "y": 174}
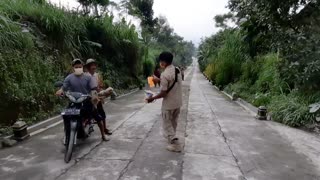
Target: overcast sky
{"x": 191, "y": 19}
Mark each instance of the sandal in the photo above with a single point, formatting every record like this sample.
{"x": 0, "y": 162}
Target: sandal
{"x": 105, "y": 138}
{"x": 107, "y": 132}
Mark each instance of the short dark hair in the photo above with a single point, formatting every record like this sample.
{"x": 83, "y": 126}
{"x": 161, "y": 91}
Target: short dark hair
{"x": 166, "y": 57}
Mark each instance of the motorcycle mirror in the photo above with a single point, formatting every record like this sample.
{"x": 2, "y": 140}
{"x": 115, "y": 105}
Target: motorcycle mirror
{"x": 58, "y": 84}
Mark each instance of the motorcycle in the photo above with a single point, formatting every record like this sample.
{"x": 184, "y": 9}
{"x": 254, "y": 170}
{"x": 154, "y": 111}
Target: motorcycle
{"x": 76, "y": 126}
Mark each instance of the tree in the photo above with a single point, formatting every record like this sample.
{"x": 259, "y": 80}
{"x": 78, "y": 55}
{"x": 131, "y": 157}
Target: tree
{"x": 157, "y": 33}
{"x": 222, "y": 20}
{"x": 276, "y": 13}
{"x": 97, "y": 5}
{"x": 143, "y": 9}
{"x": 210, "y": 46}
{"x": 165, "y": 36}
{"x": 289, "y": 27}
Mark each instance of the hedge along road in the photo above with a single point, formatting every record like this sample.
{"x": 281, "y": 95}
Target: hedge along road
{"x": 222, "y": 141}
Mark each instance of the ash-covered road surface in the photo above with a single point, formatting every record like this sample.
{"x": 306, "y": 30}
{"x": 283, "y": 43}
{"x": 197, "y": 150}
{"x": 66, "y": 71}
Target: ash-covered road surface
{"x": 221, "y": 141}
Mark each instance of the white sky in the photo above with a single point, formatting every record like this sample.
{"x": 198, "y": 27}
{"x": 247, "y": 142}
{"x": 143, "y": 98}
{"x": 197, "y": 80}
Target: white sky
{"x": 190, "y": 19}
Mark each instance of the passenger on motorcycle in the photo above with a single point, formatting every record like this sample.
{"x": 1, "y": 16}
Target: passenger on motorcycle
{"x": 91, "y": 70}
{"x": 79, "y": 82}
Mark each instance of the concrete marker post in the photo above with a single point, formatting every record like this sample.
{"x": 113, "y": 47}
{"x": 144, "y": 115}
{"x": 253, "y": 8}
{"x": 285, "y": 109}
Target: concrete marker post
{"x": 262, "y": 113}
{"x": 20, "y": 131}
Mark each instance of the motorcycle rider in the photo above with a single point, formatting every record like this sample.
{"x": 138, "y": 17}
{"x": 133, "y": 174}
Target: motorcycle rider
{"x": 79, "y": 82}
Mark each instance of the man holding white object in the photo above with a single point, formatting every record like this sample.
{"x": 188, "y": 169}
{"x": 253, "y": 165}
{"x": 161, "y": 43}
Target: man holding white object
{"x": 171, "y": 92}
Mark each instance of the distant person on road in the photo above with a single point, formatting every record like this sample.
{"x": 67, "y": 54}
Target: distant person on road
{"x": 182, "y": 72}
{"x": 171, "y": 92}
{"x": 157, "y": 74}
{"x": 91, "y": 67}
{"x": 79, "y": 82}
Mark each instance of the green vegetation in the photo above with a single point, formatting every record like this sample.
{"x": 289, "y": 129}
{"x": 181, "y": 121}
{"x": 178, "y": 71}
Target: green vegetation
{"x": 292, "y": 109}
{"x": 226, "y": 65}
{"x": 38, "y": 41}
{"x": 157, "y": 35}
{"x": 270, "y": 58}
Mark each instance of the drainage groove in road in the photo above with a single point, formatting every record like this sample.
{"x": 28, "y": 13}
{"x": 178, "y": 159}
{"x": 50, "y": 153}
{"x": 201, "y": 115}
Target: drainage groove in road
{"x": 188, "y": 79}
{"x": 122, "y": 173}
{"x": 76, "y": 161}
{"x": 130, "y": 116}
{"x": 222, "y": 133}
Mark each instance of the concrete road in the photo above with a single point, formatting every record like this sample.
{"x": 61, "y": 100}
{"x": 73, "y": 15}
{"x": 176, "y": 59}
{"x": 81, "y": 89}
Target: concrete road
{"x": 221, "y": 141}
{"x": 225, "y": 142}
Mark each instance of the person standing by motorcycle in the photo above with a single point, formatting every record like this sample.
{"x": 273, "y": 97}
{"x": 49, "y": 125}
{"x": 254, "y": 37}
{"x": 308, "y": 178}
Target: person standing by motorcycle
{"x": 91, "y": 67}
{"x": 82, "y": 83}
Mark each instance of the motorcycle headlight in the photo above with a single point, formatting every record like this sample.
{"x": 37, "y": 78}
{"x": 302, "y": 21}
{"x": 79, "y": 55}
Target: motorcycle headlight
{"x": 72, "y": 99}
{"x": 80, "y": 100}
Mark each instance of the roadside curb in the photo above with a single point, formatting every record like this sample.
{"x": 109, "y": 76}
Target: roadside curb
{"x": 251, "y": 109}
{"x": 244, "y": 104}
{"x": 56, "y": 120}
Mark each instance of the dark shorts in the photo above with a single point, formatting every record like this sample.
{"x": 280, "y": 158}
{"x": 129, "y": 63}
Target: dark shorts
{"x": 90, "y": 112}
{"x": 101, "y": 111}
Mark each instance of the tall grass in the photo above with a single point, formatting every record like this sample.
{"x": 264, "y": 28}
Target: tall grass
{"x": 292, "y": 110}
{"x": 225, "y": 68}
{"x": 11, "y": 35}
{"x": 62, "y": 28}
{"x": 268, "y": 75}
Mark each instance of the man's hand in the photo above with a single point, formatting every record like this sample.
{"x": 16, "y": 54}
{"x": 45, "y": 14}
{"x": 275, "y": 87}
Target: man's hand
{"x": 156, "y": 79}
{"x": 59, "y": 92}
{"x": 150, "y": 100}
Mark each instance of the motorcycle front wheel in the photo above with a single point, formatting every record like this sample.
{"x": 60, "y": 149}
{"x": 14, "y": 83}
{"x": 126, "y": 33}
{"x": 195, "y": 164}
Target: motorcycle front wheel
{"x": 70, "y": 141}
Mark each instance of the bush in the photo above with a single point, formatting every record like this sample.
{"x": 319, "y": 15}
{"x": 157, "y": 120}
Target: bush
{"x": 27, "y": 84}
{"x": 120, "y": 42}
{"x": 119, "y": 78}
{"x": 292, "y": 110}
{"x": 62, "y": 28}
{"x": 243, "y": 89}
{"x": 250, "y": 71}
{"x": 268, "y": 75}
{"x": 12, "y": 37}
{"x": 148, "y": 67}
{"x": 210, "y": 72}
{"x": 229, "y": 60}
{"x": 301, "y": 51}
{"x": 261, "y": 99}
